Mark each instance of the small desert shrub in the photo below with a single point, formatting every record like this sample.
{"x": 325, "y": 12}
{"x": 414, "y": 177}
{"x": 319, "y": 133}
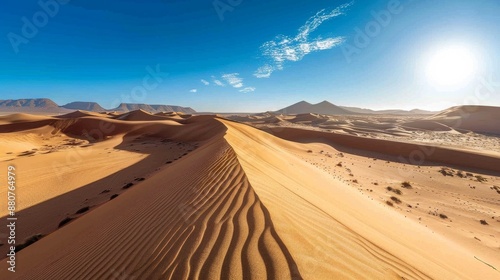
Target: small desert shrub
{"x": 127, "y": 186}
{"x": 397, "y": 191}
{"x": 480, "y": 178}
{"x": 389, "y": 203}
{"x": 64, "y": 222}
{"x": 483, "y": 222}
{"x": 309, "y": 151}
{"x": 82, "y": 210}
{"x": 406, "y": 185}
{"x": 395, "y": 199}
{"x": 113, "y": 196}
{"x": 140, "y": 179}
{"x": 28, "y": 242}
{"x": 339, "y": 164}
{"x": 389, "y": 189}
{"x": 355, "y": 181}
{"x": 443, "y": 216}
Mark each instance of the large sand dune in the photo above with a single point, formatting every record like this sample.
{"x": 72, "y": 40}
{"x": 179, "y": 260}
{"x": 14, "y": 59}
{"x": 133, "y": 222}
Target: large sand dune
{"x": 206, "y": 198}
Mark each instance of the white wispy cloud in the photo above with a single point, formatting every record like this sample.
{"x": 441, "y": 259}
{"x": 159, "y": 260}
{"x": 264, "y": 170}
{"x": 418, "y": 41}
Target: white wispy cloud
{"x": 264, "y": 71}
{"x": 233, "y": 79}
{"x": 284, "y": 48}
{"x": 193, "y": 90}
{"x": 205, "y": 82}
{"x": 247, "y": 89}
{"x": 217, "y": 82}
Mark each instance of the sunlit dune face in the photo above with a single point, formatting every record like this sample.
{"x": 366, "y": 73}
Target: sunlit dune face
{"x": 451, "y": 67}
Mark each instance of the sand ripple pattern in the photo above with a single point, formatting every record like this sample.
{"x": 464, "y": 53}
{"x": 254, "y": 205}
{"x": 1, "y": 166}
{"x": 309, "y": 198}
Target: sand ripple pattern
{"x": 211, "y": 225}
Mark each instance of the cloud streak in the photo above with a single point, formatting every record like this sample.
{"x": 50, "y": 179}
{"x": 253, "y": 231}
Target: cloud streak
{"x": 193, "y": 90}
{"x": 218, "y": 82}
{"x": 292, "y": 49}
{"x": 233, "y": 79}
{"x": 247, "y": 89}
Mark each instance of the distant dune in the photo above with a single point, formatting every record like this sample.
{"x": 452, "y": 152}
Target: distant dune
{"x": 145, "y": 196}
{"x": 481, "y": 119}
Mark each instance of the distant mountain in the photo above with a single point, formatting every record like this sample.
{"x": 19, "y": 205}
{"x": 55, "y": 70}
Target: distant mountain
{"x": 125, "y": 107}
{"x": 87, "y": 106}
{"x": 47, "y": 105}
{"x": 30, "y": 105}
{"x": 387, "y": 112}
{"x": 304, "y": 107}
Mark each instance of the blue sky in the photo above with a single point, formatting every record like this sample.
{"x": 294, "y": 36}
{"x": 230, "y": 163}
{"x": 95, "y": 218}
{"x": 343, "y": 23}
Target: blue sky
{"x": 248, "y": 55}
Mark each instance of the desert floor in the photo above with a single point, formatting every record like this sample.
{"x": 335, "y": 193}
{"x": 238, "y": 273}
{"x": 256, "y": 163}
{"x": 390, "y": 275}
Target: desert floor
{"x": 172, "y": 196}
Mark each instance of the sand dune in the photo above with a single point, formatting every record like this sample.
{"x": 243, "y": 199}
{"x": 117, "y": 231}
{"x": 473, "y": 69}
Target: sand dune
{"x": 207, "y": 198}
{"x": 483, "y": 119}
{"x": 81, "y": 113}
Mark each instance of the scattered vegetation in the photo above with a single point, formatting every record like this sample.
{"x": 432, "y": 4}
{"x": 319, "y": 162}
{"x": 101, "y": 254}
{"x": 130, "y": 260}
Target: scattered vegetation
{"x": 82, "y": 210}
{"x": 27, "y": 153}
{"x": 395, "y": 199}
{"x": 309, "y": 151}
{"x": 483, "y": 222}
{"x": 496, "y": 188}
{"x": 396, "y": 191}
{"x": 443, "y": 216}
{"x": 140, "y": 179}
{"x": 65, "y": 221}
{"x": 450, "y": 172}
{"x": 388, "y": 202}
{"x": 105, "y": 191}
{"x": 480, "y": 178}
{"x": 127, "y": 186}
{"x": 28, "y": 242}
{"x": 446, "y": 172}
{"x": 339, "y": 164}
{"x": 406, "y": 185}
{"x": 113, "y": 196}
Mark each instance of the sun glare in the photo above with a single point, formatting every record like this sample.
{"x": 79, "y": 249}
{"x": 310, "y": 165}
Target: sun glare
{"x": 451, "y": 67}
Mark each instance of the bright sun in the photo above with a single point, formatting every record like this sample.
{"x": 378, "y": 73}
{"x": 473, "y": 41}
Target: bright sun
{"x": 451, "y": 67}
